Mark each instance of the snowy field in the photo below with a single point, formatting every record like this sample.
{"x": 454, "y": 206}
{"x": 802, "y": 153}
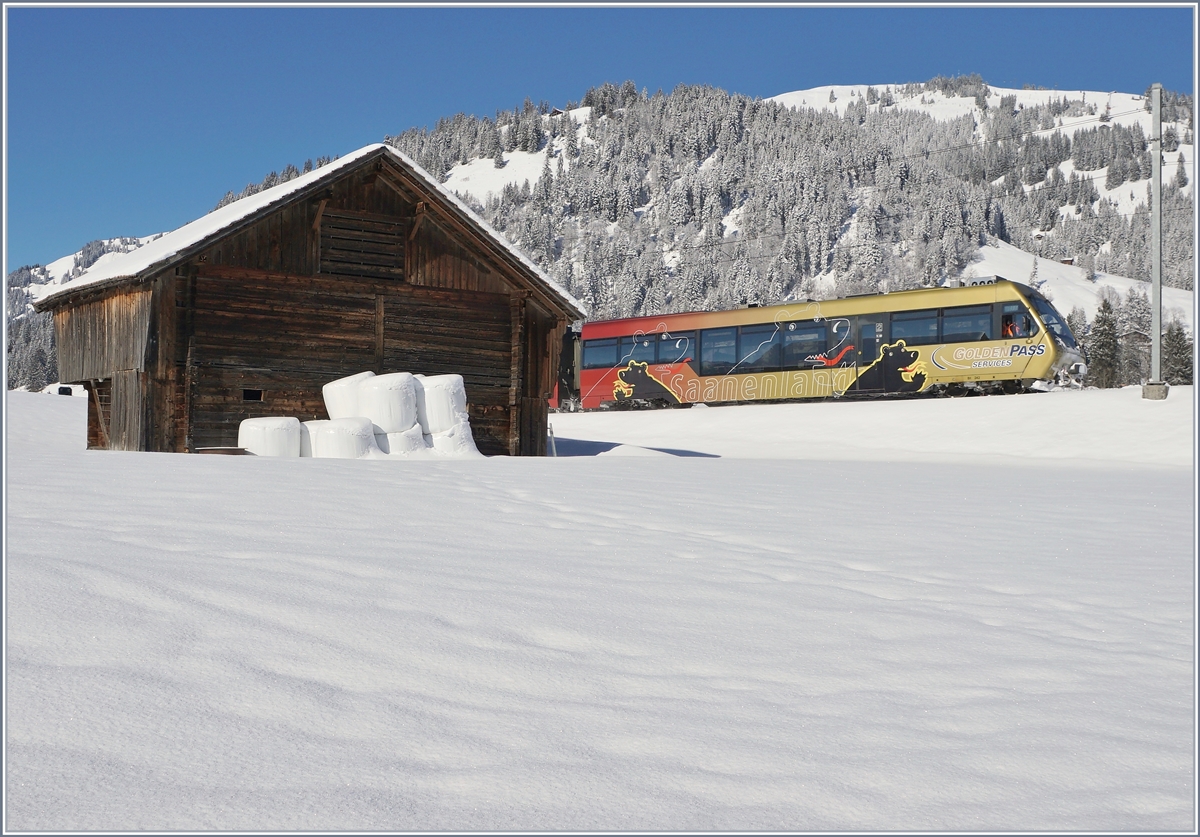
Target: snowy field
{"x": 967, "y": 614}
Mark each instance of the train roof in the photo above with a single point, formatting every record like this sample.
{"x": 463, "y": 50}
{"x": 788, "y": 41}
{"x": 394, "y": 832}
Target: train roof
{"x": 800, "y": 309}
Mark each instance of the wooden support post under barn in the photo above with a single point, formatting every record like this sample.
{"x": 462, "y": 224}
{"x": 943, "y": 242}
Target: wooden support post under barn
{"x": 364, "y": 264}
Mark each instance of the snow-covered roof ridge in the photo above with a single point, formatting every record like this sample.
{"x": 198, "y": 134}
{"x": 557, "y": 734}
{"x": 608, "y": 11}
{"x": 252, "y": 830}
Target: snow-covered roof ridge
{"x": 160, "y": 252}
{"x": 171, "y": 244}
{"x": 486, "y": 227}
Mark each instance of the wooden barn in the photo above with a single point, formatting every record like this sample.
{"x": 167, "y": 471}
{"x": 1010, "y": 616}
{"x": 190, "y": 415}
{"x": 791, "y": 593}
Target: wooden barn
{"x": 363, "y": 264}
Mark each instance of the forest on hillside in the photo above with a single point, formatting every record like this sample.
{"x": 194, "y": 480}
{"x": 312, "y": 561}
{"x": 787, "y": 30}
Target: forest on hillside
{"x": 629, "y": 210}
{"x": 703, "y": 199}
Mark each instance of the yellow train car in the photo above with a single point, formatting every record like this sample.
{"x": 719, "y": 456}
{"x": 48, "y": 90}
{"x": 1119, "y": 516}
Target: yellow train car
{"x": 992, "y": 335}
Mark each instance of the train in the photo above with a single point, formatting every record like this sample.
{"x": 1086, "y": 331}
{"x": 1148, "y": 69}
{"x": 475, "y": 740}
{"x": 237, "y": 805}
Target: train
{"x": 987, "y": 335}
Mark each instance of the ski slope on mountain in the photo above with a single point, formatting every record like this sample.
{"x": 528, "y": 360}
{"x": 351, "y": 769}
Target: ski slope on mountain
{"x": 964, "y": 614}
{"x": 1067, "y": 286}
{"x": 481, "y": 179}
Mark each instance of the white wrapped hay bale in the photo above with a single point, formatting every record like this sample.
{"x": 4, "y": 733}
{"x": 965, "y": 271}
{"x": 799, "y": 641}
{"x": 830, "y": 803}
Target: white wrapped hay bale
{"x": 270, "y": 436}
{"x": 341, "y": 438}
{"x": 410, "y": 442}
{"x": 457, "y": 441}
{"x": 307, "y": 430}
{"x": 389, "y": 401}
{"x": 441, "y": 403}
{"x": 341, "y": 396}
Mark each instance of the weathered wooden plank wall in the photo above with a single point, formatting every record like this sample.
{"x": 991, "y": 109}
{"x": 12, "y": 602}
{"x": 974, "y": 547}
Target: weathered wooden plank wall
{"x": 162, "y": 366}
{"x": 128, "y": 410}
{"x": 541, "y": 365}
{"x": 362, "y": 244}
{"x": 284, "y": 322}
{"x": 438, "y": 262}
{"x": 287, "y": 336}
{"x": 268, "y": 244}
{"x": 97, "y": 338}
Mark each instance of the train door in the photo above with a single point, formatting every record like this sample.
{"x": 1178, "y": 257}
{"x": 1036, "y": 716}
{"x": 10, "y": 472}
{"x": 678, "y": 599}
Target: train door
{"x": 871, "y": 334}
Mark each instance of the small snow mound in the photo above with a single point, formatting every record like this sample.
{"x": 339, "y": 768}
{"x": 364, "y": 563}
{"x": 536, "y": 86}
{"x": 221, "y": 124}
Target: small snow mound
{"x": 457, "y": 441}
{"x": 405, "y": 443}
{"x": 632, "y": 450}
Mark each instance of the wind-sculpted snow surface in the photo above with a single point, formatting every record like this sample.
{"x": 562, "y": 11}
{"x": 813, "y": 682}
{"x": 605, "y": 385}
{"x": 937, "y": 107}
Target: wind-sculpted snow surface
{"x": 583, "y": 643}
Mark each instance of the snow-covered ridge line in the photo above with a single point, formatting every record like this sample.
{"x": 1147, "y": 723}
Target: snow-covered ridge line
{"x": 1123, "y": 108}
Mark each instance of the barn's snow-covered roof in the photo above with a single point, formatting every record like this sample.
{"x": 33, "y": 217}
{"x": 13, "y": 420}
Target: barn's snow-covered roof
{"x": 161, "y": 251}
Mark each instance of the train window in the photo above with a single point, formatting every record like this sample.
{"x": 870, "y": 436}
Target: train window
{"x": 759, "y": 348}
{"x": 962, "y": 325}
{"x": 641, "y": 349}
{"x": 1016, "y": 321}
{"x": 718, "y": 350}
{"x": 600, "y": 354}
{"x": 915, "y": 327}
{"x": 802, "y": 343}
{"x": 676, "y": 348}
{"x": 1054, "y": 322}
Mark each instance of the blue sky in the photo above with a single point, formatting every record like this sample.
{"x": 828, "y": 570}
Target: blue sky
{"x": 131, "y": 121}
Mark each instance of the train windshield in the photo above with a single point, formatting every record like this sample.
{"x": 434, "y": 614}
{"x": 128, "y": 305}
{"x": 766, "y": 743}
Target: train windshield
{"x": 1054, "y": 321}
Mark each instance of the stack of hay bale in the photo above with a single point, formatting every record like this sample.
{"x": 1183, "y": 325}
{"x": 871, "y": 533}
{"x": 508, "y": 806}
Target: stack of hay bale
{"x": 373, "y": 416}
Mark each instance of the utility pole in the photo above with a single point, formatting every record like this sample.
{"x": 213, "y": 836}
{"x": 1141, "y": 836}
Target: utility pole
{"x": 1155, "y": 389}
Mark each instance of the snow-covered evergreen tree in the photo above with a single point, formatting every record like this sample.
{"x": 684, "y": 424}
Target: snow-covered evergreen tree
{"x": 1104, "y": 348}
{"x": 1178, "y": 355}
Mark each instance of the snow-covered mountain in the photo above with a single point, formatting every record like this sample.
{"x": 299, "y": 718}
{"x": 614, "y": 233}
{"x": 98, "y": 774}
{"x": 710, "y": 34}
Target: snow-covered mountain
{"x": 480, "y": 178}
{"x": 1124, "y": 109}
{"x": 1054, "y": 113}
{"x": 703, "y": 199}
{"x": 1068, "y": 285}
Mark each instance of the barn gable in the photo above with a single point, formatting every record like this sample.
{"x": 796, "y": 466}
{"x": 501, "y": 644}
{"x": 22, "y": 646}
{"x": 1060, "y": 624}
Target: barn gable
{"x": 370, "y": 265}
